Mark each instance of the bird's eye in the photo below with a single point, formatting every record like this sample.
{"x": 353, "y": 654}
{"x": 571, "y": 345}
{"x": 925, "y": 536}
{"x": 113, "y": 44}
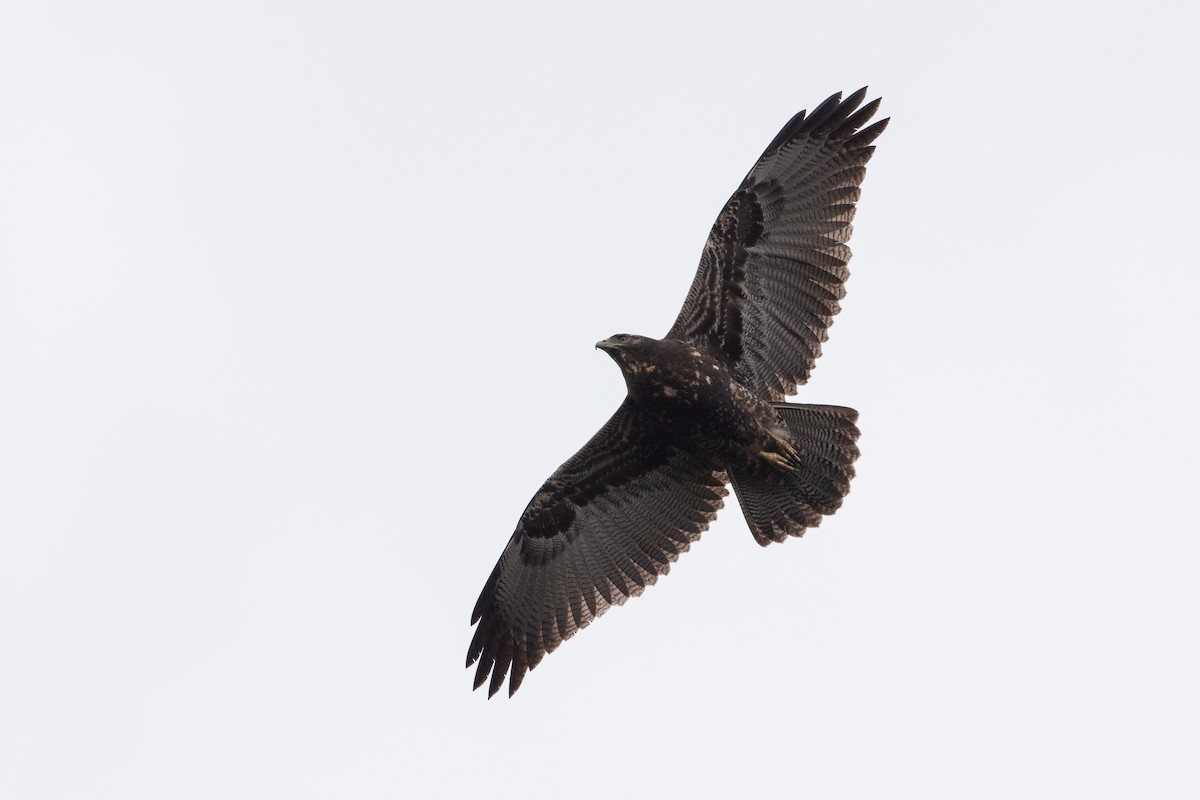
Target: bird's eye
{"x": 624, "y": 337}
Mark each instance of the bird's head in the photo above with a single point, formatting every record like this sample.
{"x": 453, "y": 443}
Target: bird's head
{"x": 623, "y": 345}
{"x": 635, "y": 355}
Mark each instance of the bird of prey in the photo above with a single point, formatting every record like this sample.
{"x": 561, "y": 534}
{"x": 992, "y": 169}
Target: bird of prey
{"x": 704, "y": 407}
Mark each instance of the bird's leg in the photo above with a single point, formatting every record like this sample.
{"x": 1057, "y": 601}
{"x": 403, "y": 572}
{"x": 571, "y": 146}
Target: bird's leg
{"x": 777, "y": 460}
{"x": 782, "y": 455}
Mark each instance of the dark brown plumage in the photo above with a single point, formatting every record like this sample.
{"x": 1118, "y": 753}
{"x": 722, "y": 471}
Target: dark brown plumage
{"x": 704, "y": 407}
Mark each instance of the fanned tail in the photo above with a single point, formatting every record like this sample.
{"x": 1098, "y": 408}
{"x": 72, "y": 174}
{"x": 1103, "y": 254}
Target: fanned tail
{"x": 782, "y": 503}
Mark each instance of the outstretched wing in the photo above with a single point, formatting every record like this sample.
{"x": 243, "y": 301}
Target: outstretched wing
{"x": 774, "y": 267}
{"x": 603, "y": 527}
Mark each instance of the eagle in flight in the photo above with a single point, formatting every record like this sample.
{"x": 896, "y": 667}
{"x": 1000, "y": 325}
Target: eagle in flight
{"x": 704, "y": 407}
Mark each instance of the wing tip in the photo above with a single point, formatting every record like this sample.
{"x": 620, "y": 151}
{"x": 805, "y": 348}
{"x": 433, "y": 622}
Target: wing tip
{"x": 834, "y": 116}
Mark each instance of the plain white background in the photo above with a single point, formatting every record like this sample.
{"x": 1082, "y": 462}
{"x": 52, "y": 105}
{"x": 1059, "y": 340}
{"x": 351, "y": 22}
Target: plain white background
{"x": 297, "y": 305}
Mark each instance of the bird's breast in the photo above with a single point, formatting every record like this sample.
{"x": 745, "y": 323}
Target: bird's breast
{"x": 700, "y": 403}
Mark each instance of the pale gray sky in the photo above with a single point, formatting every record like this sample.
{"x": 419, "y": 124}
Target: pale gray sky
{"x": 297, "y": 305}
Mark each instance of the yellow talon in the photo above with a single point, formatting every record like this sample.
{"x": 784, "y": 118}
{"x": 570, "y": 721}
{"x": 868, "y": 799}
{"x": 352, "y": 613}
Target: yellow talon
{"x": 785, "y": 458}
{"x": 777, "y": 460}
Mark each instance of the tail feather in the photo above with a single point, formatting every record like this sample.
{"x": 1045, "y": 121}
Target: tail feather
{"x": 779, "y": 504}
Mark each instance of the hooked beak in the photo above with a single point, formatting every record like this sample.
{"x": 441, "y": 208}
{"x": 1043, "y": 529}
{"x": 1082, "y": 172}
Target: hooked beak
{"x": 606, "y": 344}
